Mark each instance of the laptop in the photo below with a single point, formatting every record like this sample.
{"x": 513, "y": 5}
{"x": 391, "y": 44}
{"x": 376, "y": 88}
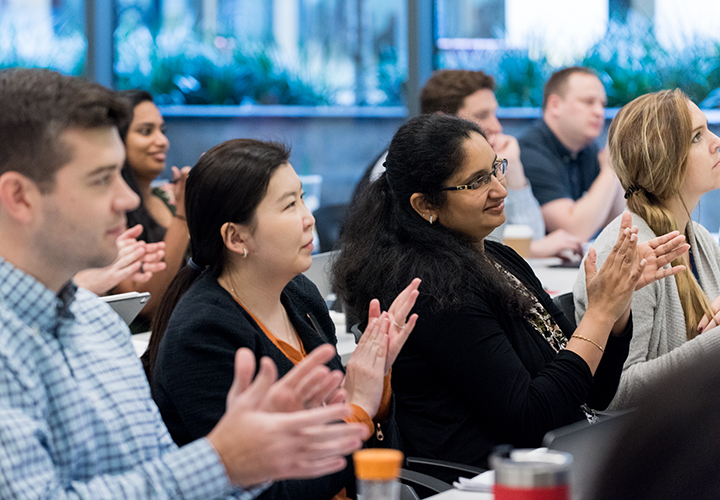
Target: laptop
{"x": 590, "y": 445}
{"x": 127, "y": 305}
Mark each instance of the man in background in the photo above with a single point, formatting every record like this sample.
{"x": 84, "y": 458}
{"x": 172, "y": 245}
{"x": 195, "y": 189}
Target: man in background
{"x": 76, "y": 416}
{"x": 570, "y": 177}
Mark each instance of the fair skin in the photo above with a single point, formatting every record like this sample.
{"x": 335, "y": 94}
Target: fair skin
{"x": 146, "y": 146}
{"x": 279, "y": 246}
{"x": 136, "y": 260}
{"x": 577, "y": 118}
{"x": 481, "y": 107}
{"x": 474, "y": 213}
{"x": 702, "y": 176}
{"x": 39, "y": 234}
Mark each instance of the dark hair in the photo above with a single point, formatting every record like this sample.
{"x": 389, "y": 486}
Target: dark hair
{"x": 226, "y": 185}
{"x": 152, "y": 230}
{"x": 670, "y": 447}
{"x": 37, "y": 107}
{"x": 385, "y": 242}
{"x": 557, "y": 83}
{"x": 446, "y": 90}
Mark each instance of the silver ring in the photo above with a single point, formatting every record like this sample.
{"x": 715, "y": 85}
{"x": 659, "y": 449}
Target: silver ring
{"x": 395, "y": 323}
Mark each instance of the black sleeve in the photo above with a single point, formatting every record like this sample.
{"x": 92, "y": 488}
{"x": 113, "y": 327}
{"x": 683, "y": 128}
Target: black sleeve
{"x": 471, "y": 348}
{"x": 548, "y": 182}
{"x": 609, "y": 371}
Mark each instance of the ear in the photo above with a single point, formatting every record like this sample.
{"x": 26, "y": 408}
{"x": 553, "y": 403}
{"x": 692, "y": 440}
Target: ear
{"x": 553, "y": 104}
{"x": 234, "y": 237}
{"x": 422, "y": 207}
{"x": 19, "y": 196}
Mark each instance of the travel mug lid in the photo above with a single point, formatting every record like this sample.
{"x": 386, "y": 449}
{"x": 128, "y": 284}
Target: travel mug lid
{"x": 377, "y": 464}
{"x": 531, "y": 468}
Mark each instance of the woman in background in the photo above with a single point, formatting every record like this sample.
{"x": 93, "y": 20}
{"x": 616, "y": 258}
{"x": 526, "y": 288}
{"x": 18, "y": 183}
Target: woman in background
{"x": 666, "y": 159}
{"x": 492, "y": 360}
{"x": 251, "y": 238}
{"x": 162, "y": 219}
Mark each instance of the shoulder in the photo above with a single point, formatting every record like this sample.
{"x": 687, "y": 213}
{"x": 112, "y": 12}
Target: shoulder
{"x": 206, "y": 306}
{"x": 99, "y": 317}
{"x": 509, "y": 259}
{"x": 304, "y": 293}
{"x": 703, "y": 236}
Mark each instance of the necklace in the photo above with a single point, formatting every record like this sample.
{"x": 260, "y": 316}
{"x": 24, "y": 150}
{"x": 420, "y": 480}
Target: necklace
{"x": 286, "y": 319}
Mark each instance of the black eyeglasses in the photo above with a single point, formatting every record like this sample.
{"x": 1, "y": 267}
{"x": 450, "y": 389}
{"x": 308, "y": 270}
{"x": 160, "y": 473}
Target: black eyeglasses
{"x": 498, "y": 170}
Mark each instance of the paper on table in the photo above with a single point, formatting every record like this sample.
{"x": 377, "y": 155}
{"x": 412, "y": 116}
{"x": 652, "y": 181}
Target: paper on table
{"x": 481, "y": 483}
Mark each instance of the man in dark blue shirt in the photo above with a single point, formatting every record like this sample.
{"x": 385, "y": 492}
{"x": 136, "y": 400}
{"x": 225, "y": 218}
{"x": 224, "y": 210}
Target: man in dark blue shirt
{"x": 573, "y": 181}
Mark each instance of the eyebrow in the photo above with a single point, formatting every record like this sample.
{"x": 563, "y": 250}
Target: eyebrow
{"x": 101, "y": 170}
{"x": 289, "y": 194}
{"x": 700, "y": 127}
{"x": 480, "y": 172}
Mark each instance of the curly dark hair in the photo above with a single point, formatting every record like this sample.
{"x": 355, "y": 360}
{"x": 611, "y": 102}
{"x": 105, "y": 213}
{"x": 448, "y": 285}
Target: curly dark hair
{"x": 385, "y": 242}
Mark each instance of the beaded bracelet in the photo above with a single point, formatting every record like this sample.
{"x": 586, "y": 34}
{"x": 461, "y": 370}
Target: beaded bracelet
{"x": 589, "y": 340}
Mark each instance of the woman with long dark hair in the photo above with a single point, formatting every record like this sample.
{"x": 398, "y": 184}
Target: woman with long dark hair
{"x": 666, "y": 158}
{"x": 492, "y": 360}
{"x": 251, "y": 238}
{"x": 162, "y": 218}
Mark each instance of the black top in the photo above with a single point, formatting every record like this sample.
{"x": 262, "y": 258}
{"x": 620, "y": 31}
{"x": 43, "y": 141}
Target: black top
{"x": 473, "y": 378}
{"x": 553, "y": 171}
{"x": 195, "y": 365}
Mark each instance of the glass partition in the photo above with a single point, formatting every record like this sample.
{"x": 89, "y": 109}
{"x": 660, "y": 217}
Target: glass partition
{"x": 43, "y": 34}
{"x": 302, "y": 52}
{"x": 636, "y": 46}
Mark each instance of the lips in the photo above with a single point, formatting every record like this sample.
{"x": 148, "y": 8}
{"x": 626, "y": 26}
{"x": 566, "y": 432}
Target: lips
{"x": 498, "y": 207}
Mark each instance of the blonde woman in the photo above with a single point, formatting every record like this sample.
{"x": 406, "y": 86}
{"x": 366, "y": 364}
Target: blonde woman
{"x": 666, "y": 159}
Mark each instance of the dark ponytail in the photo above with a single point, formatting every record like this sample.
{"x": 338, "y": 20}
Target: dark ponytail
{"x": 226, "y": 185}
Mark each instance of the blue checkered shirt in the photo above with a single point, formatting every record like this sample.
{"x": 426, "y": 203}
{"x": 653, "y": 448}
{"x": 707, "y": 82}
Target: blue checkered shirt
{"x": 76, "y": 417}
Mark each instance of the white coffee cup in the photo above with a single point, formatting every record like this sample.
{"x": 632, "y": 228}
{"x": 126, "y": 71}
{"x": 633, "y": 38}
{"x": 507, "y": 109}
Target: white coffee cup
{"x": 518, "y": 237}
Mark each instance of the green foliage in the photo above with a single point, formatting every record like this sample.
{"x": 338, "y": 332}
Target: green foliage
{"x": 180, "y": 68}
{"x": 632, "y": 62}
{"x": 629, "y": 59}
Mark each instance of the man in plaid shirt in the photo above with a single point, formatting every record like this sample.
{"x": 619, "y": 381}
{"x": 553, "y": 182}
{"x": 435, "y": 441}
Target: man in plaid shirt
{"x": 76, "y": 416}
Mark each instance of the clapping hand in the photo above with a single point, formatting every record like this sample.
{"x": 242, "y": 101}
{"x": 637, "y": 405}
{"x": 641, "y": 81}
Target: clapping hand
{"x": 400, "y": 325}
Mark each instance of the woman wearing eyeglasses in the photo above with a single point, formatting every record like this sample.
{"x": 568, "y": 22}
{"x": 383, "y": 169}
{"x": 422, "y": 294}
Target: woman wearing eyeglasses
{"x": 491, "y": 359}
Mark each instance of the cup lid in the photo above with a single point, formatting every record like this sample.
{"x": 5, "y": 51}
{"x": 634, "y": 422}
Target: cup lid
{"x": 379, "y": 463}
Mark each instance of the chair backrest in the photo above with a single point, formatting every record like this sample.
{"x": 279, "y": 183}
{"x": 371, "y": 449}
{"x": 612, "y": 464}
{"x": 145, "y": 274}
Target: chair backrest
{"x": 566, "y": 303}
{"x": 328, "y": 219}
{"x": 422, "y": 485}
{"x": 319, "y": 272}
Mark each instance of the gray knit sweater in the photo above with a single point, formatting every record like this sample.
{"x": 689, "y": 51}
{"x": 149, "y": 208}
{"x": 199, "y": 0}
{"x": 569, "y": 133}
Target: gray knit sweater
{"x": 659, "y": 342}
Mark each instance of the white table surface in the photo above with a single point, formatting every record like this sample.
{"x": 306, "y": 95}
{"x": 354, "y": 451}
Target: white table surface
{"x": 556, "y": 280}
{"x": 462, "y": 495}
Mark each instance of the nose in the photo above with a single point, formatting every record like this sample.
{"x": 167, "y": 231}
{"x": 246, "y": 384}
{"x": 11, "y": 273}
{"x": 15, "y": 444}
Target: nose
{"x": 161, "y": 139}
{"x": 493, "y": 125}
{"x": 599, "y": 109}
{"x": 125, "y": 199}
{"x": 308, "y": 219}
{"x": 714, "y": 143}
{"x": 497, "y": 186}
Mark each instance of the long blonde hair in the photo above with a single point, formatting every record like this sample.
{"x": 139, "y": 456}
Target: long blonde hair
{"x": 650, "y": 141}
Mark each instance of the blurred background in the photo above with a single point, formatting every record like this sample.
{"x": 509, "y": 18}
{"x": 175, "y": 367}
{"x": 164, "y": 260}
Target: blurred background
{"x": 335, "y": 78}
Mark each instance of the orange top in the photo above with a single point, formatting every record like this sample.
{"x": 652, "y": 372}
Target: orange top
{"x": 377, "y": 463}
{"x": 359, "y": 415}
